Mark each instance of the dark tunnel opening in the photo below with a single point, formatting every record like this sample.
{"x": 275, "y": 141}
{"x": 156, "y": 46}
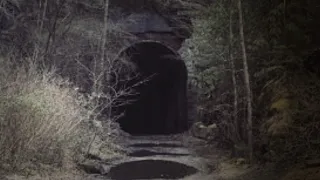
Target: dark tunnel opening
{"x": 160, "y": 104}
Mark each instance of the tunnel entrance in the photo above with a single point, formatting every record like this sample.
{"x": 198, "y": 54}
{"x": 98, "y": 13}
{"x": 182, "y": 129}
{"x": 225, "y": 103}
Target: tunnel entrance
{"x": 160, "y": 104}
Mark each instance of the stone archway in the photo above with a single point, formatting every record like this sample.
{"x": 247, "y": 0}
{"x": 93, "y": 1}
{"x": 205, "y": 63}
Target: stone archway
{"x": 161, "y": 103}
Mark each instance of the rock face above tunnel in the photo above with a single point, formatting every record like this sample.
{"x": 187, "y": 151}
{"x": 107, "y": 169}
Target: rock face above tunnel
{"x": 153, "y": 20}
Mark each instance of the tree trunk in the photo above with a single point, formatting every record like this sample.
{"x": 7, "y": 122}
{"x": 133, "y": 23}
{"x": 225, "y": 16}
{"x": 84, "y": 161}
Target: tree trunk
{"x": 45, "y": 5}
{"x": 100, "y": 65}
{"x": 234, "y": 80}
{"x": 104, "y": 34}
{"x": 247, "y": 81}
{"x": 105, "y": 67}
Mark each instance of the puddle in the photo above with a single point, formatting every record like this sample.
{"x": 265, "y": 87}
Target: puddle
{"x": 150, "y": 169}
{"x": 155, "y": 145}
{"x": 144, "y": 153}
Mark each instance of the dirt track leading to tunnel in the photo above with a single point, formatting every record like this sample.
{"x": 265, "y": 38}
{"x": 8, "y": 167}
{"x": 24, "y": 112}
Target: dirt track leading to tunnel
{"x": 166, "y": 158}
{"x": 158, "y": 157}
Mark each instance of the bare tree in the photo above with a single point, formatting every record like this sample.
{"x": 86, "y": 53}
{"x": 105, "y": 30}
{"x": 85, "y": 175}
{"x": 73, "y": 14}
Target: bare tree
{"x": 247, "y": 81}
{"x": 234, "y": 80}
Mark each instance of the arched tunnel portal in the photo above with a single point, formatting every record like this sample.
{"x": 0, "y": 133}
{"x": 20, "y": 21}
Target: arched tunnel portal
{"x": 160, "y": 106}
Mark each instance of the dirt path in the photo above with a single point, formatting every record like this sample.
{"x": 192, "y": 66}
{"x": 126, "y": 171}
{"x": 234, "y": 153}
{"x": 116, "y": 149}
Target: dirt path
{"x": 167, "y": 158}
{"x": 158, "y": 157}
{"x": 186, "y": 158}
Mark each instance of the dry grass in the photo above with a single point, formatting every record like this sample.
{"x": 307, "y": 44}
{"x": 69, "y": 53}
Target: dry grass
{"x": 42, "y": 117}
{"x": 39, "y": 116}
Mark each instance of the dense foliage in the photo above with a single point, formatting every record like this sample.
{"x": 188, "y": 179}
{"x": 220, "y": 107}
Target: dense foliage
{"x": 283, "y": 51}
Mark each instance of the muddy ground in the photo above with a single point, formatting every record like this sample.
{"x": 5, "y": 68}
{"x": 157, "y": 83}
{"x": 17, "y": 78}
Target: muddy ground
{"x": 169, "y": 157}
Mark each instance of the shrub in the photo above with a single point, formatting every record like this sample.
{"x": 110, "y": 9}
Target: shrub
{"x": 39, "y": 115}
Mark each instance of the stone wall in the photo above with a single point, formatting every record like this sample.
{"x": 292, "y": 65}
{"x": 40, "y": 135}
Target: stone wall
{"x": 151, "y": 20}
